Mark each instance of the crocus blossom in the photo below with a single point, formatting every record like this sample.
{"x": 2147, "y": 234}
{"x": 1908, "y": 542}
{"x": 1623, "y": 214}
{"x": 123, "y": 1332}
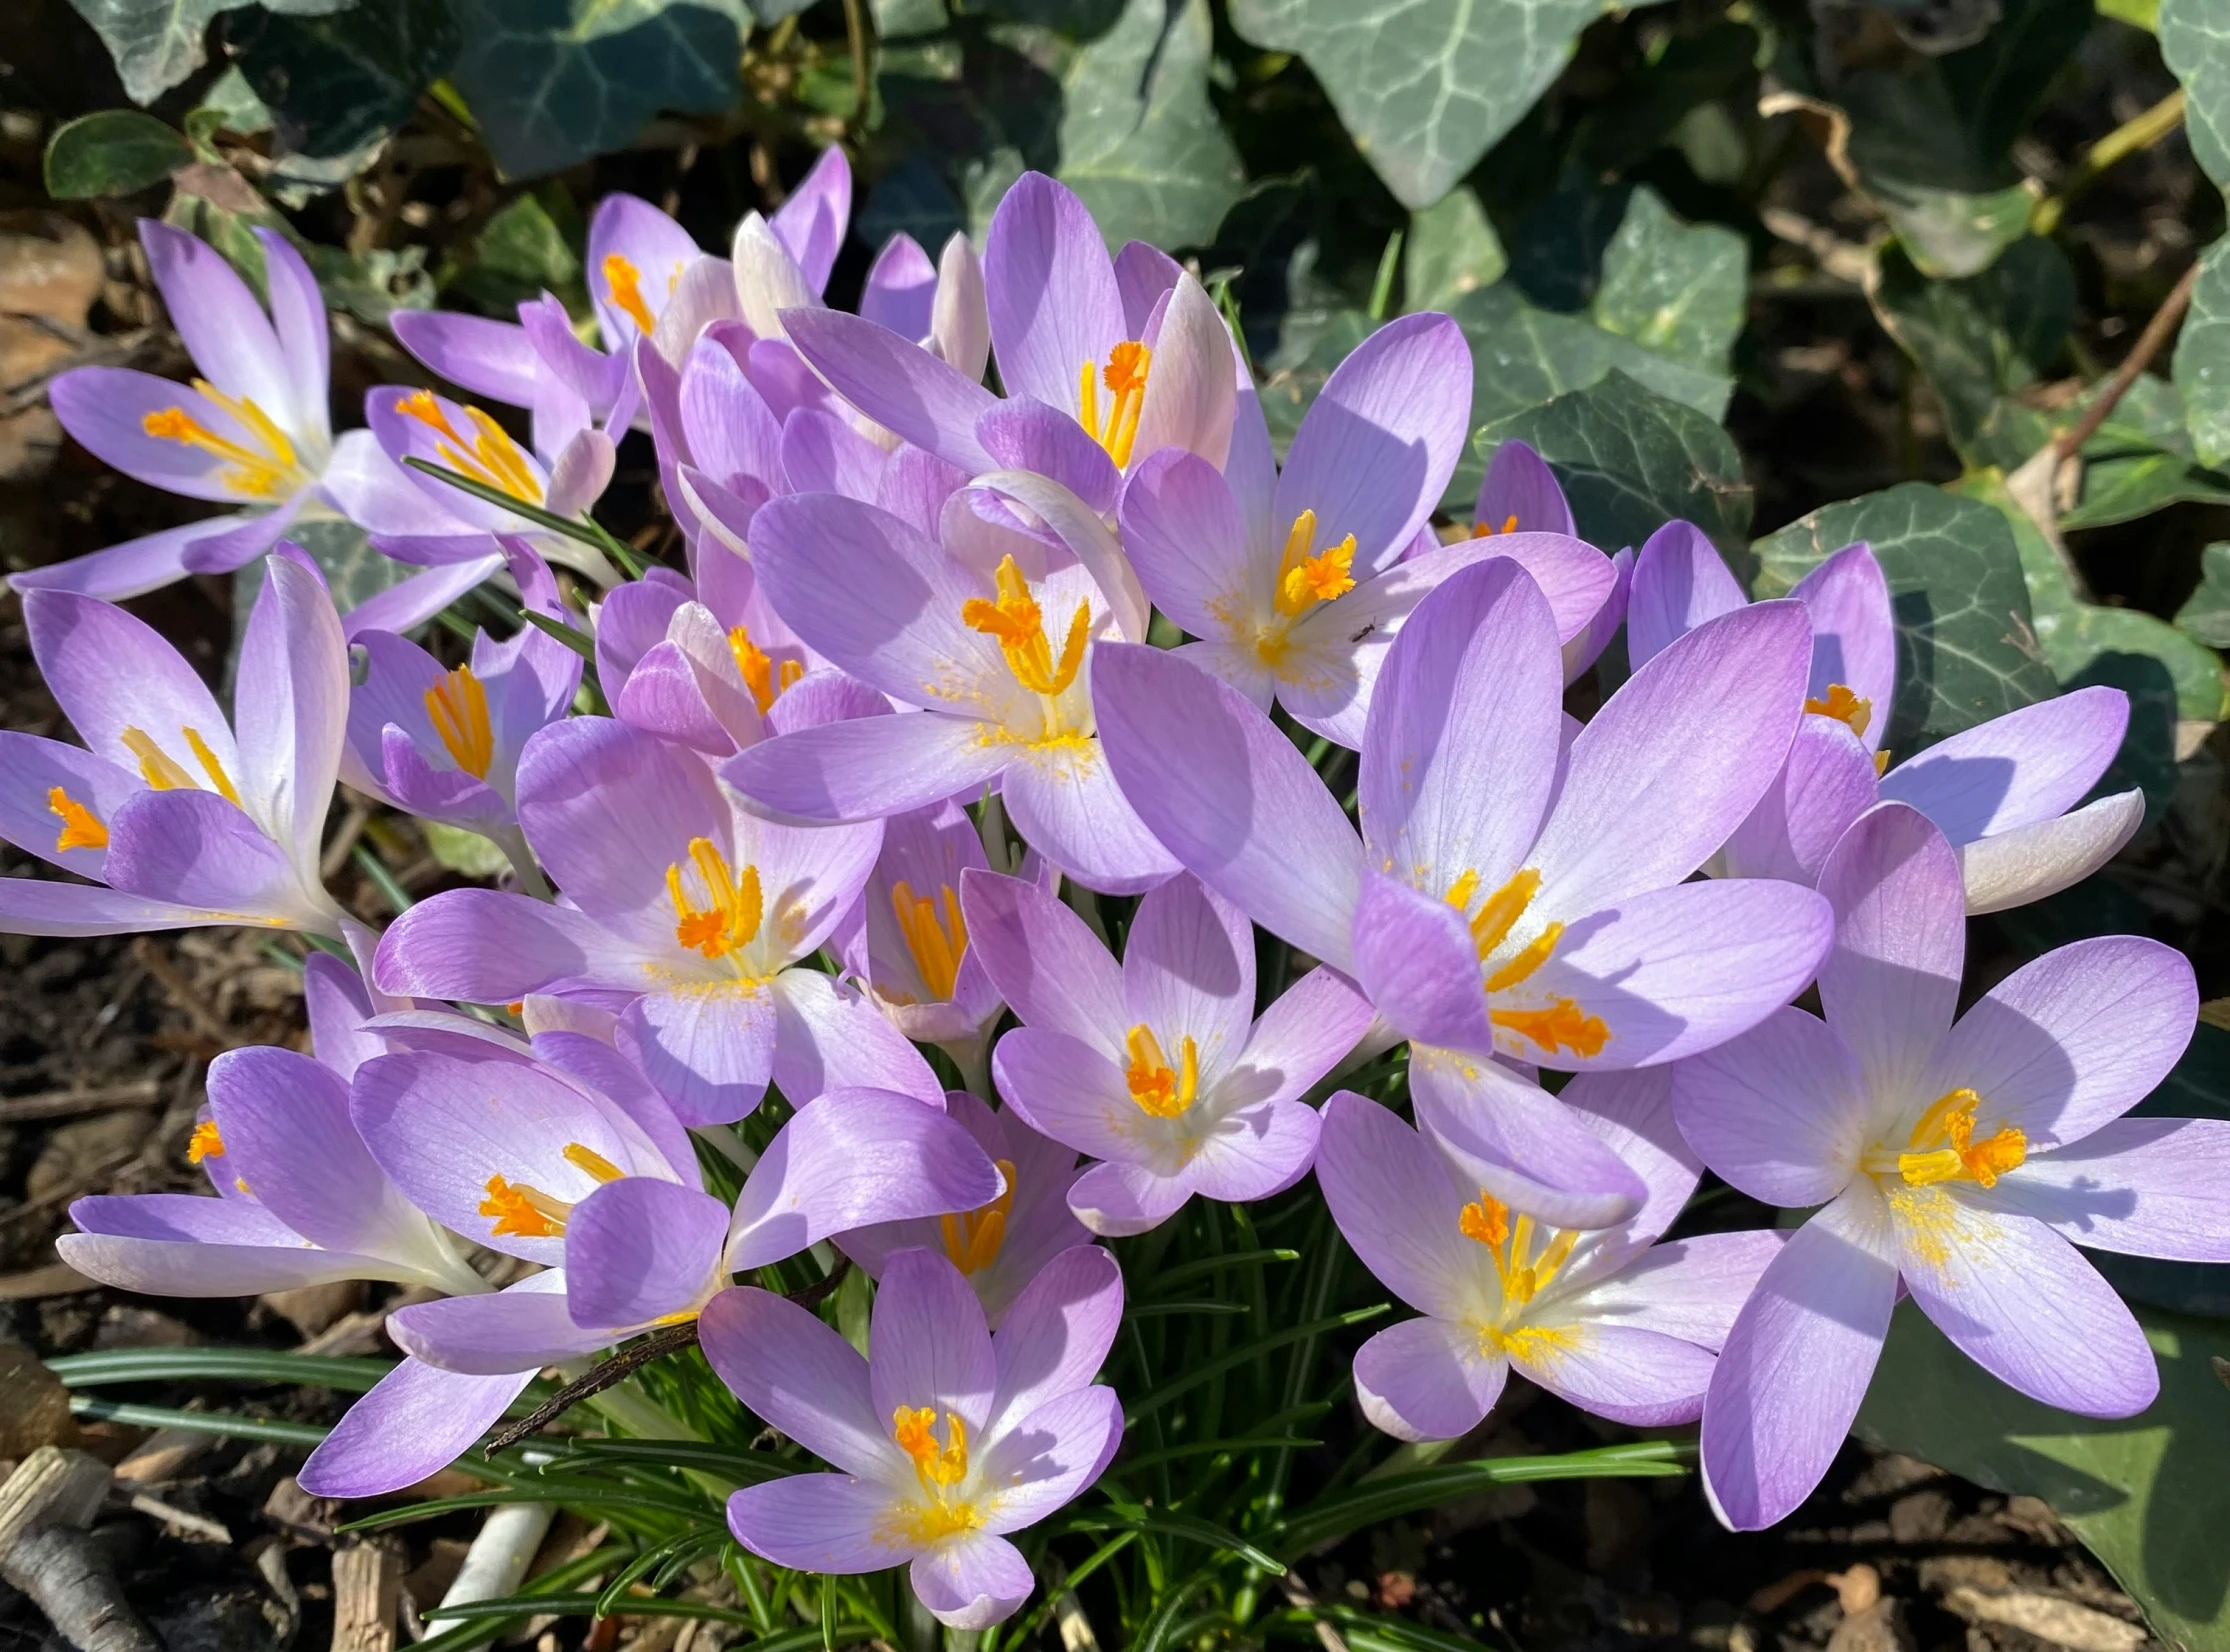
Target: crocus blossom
{"x": 180, "y": 816}
{"x": 696, "y": 910}
{"x": 999, "y": 662}
{"x": 945, "y": 1438}
{"x": 251, "y": 431}
{"x": 1956, "y": 1159}
{"x": 1610, "y": 1319}
{"x": 1520, "y": 494}
{"x": 911, "y": 944}
{"x": 1157, "y": 1066}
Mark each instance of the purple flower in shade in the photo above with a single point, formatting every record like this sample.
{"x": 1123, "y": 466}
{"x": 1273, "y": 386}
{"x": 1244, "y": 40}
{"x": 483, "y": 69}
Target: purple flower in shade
{"x": 946, "y": 1437}
{"x": 445, "y": 744}
{"x": 2005, "y": 792}
{"x": 697, "y": 910}
{"x": 1520, "y": 494}
{"x": 1517, "y": 890}
{"x": 911, "y": 944}
{"x": 1610, "y": 1319}
{"x": 1956, "y": 1159}
{"x": 1294, "y": 581}
{"x": 1104, "y": 361}
{"x": 251, "y": 431}
{"x": 1000, "y": 1247}
{"x": 999, "y": 662}
{"x": 186, "y": 819}
{"x": 1157, "y": 1066}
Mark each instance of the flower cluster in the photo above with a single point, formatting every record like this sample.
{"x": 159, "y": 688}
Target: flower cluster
{"x": 846, "y": 790}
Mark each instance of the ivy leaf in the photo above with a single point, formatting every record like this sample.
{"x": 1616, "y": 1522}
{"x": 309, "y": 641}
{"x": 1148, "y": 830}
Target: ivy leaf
{"x": 2195, "y": 43}
{"x": 158, "y": 43}
{"x": 337, "y": 85}
{"x": 1140, "y": 142}
{"x": 1631, "y": 460}
{"x": 2206, "y": 614}
{"x": 353, "y": 571}
{"x": 2146, "y": 1493}
{"x": 1452, "y": 251}
{"x": 1677, "y": 289}
{"x": 113, "y": 152}
{"x": 1967, "y": 648}
{"x": 519, "y": 253}
{"x": 545, "y": 97}
{"x": 2203, "y": 359}
{"x": 1425, "y": 87}
{"x": 2139, "y": 461}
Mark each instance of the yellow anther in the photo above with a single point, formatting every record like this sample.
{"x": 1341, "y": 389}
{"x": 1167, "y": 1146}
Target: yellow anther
{"x": 1881, "y": 764}
{"x": 1561, "y": 1026}
{"x": 163, "y": 773}
{"x": 263, "y": 472}
{"x": 973, "y": 1237}
{"x": 767, "y": 679}
{"x": 1522, "y": 1271}
{"x": 730, "y": 915}
{"x": 204, "y": 1143}
{"x": 586, "y": 1158}
{"x": 523, "y": 1212}
{"x": 937, "y": 943}
{"x": 1943, "y": 1148}
{"x": 938, "y": 1467}
{"x": 1125, "y": 378}
{"x": 624, "y": 282}
{"x": 1307, "y": 576}
{"x": 81, "y": 827}
{"x": 1531, "y": 957}
{"x": 1483, "y": 529}
{"x": 493, "y": 460}
{"x": 458, "y": 706}
{"x": 1019, "y": 625}
{"x": 1844, "y": 706}
{"x": 1158, "y": 1089}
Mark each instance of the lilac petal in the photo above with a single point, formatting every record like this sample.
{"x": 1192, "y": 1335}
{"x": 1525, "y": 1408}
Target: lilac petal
{"x": 105, "y": 410}
{"x": 1577, "y": 579}
{"x": 181, "y": 1244}
{"x": 2145, "y": 1187}
{"x": 822, "y": 454}
{"x": 707, "y": 1047}
{"x": 1520, "y": 494}
{"x": 2015, "y": 770}
{"x": 851, "y": 1158}
{"x": 895, "y": 382}
{"x": 298, "y": 319}
{"x": 828, "y": 1036}
{"x": 1459, "y": 755}
{"x": 639, "y": 1250}
{"x": 927, "y": 1346}
{"x": 1678, "y": 757}
{"x": 799, "y": 1376}
{"x": 1691, "y": 1289}
{"x": 812, "y": 221}
{"x": 1229, "y": 795}
{"x": 1303, "y": 1035}
{"x": 524, "y": 1327}
{"x": 972, "y": 1581}
{"x": 1680, "y": 581}
{"x": 369, "y": 486}
{"x": 233, "y": 548}
{"x": 1048, "y": 1457}
{"x": 825, "y": 1523}
{"x": 2027, "y": 863}
{"x": 1055, "y": 309}
{"x": 867, "y": 769}
{"x": 1781, "y": 1112}
{"x": 1584, "y": 650}
{"x": 915, "y": 486}
{"x": 1631, "y": 1112}
{"x": 1183, "y": 532}
{"x": 1678, "y": 970}
{"x": 195, "y": 848}
{"x": 1070, "y": 1091}
{"x": 1640, "y": 1378}
{"x": 111, "y": 671}
{"x": 1797, "y": 1362}
{"x": 1057, "y": 1333}
{"x": 128, "y": 570}
{"x": 603, "y": 1069}
{"x": 337, "y": 1004}
{"x": 1064, "y": 801}
{"x": 415, "y": 1420}
{"x": 655, "y": 249}
{"x": 1021, "y": 433}
{"x": 38, "y": 906}
{"x": 703, "y": 294}
{"x": 664, "y": 696}
{"x": 487, "y": 358}
{"x": 632, "y": 622}
{"x": 1396, "y": 1203}
{"x": 292, "y": 695}
{"x": 1142, "y": 274}
{"x": 1375, "y": 449}
{"x": 1827, "y": 783}
{"x": 2073, "y": 1039}
{"x": 410, "y": 603}
{"x": 1416, "y": 961}
{"x": 1118, "y": 1200}
{"x": 1045, "y": 962}
{"x": 1891, "y": 982}
{"x": 1189, "y": 391}
{"x": 901, "y": 288}
{"x": 1854, "y": 635}
{"x": 32, "y": 771}
{"x": 1255, "y": 1152}
{"x": 1425, "y": 1379}
{"x": 1515, "y": 1141}
{"x": 731, "y": 432}
{"x": 580, "y": 473}
{"x": 2023, "y": 1304}
{"x": 218, "y": 319}
{"x": 1188, "y": 971}
{"x": 482, "y": 946}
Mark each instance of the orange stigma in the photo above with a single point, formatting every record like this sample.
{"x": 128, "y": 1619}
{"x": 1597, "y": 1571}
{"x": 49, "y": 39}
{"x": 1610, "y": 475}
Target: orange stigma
{"x": 81, "y": 828}
{"x": 1161, "y": 1091}
{"x": 937, "y": 943}
{"x": 732, "y": 909}
{"x": 523, "y": 1212}
{"x": 1483, "y": 529}
{"x": 458, "y": 706}
{"x": 767, "y": 680}
{"x": 1125, "y": 378}
{"x": 204, "y": 1143}
{"x": 265, "y": 471}
{"x": 1943, "y": 1148}
{"x": 1019, "y": 625}
{"x": 488, "y": 456}
{"x": 1845, "y": 707}
{"x": 1307, "y": 576}
{"x": 973, "y": 1237}
{"x": 625, "y": 284}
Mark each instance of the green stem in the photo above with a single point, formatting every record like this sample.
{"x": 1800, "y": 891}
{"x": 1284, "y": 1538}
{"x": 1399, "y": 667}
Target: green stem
{"x": 2139, "y": 132}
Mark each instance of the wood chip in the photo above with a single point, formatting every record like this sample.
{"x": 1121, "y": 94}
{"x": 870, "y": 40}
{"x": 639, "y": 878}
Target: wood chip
{"x": 1857, "y": 1589}
{"x": 51, "y": 1487}
{"x": 69, "y": 1104}
{"x": 2050, "y": 1618}
{"x": 34, "y": 1406}
{"x": 183, "y": 1521}
{"x": 55, "y": 1279}
{"x": 367, "y": 1587}
{"x": 162, "y": 1454}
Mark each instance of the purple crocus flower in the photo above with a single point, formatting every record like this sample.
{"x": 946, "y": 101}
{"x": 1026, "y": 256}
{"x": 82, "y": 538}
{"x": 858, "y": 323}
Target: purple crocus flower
{"x": 183, "y": 818}
{"x": 2005, "y": 792}
{"x": 999, "y": 662}
{"x": 444, "y": 744}
{"x": 1520, "y": 494}
{"x": 1609, "y": 1319}
{"x": 911, "y": 944}
{"x": 1104, "y": 361}
{"x": 946, "y": 1438}
{"x": 1517, "y": 890}
{"x": 251, "y": 431}
{"x": 1955, "y": 1159}
{"x": 1002, "y": 1246}
{"x": 1294, "y": 581}
{"x": 1157, "y": 1066}
{"x": 696, "y": 910}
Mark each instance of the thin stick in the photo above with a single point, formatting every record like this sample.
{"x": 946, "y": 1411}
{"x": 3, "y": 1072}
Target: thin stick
{"x": 2149, "y": 342}
{"x": 855, "y": 27}
{"x": 64, "y": 1104}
